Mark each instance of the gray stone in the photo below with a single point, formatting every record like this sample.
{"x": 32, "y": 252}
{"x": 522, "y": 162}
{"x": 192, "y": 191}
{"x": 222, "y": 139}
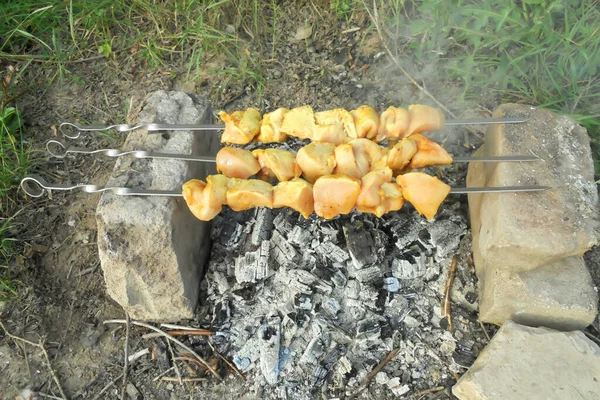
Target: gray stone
{"x": 559, "y": 295}
{"x": 152, "y": 249}
{"x": 526, "y": 230}
{"x": 521, "y": 362}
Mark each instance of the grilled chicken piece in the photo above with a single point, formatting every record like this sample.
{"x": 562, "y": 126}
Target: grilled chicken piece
{"x": 358, "y": 157}
{"x": 366, "y": 121}
{"x": 316, "y": 159}
{"x": 428, "y": 153}
{"x": 335, "y": 195}
{"x": 299, "y": 122}
{"x": 379, "y": 195}
{"x": 276, "y": 163}
{"x": 236, "y": 163}
{"x": 244, "y": 194}
{"x": 369, "y": 190}
{"x": 296, "y": 194}
{"x": 424, "y": 119}
{"x": 241, "y": 126}
{"x": 337, "y": 116}
{"x": 205, "y": 200}
{"x": 393, "y": 124}
{"x": 270, "y": 128}
{"x": 423, "y": 191}
{"x": 401, "y": 154}
{"x": 334, "y": 134}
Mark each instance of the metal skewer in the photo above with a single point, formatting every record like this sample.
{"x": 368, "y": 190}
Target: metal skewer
{"x": 59, "y": 149}
{"x": 35, "y": 186}
{"x": 73, "y": 130}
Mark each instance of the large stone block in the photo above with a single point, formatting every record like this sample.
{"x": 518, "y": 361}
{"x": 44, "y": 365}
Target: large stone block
{"x": 533, "y": 363}
{"x": 152, "y": 249}
{"x": 558, "y": 295}
{"x": 526, "y": 230}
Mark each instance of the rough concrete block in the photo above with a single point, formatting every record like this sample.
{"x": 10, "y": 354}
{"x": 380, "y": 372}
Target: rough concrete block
{"x": 559, "y": 295}
{"x": 152, "y": 249}
{"x": 521, "y": 362}
{"x": 526, "y": 230}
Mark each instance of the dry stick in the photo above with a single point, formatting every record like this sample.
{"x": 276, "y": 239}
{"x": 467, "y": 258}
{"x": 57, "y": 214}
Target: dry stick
{"x": 183, "y": 345}
{"x": 446, "y": 300}
{"x": 375, "y": 19}
{"x": 175, "y": 363}
{"x": 175, "y": 379}
{"x": 41, "y": 346}
{"x": 427, "y": 391}
{"x": 181, "y": 332}
{"x": 162, "y": 374}
{"x": 376, "y": 370}
{"x": 126, "y": 361}
{"x": 237, "y": 371}
{"x": 485, "y": 331}
{"x": 105, "y": 388}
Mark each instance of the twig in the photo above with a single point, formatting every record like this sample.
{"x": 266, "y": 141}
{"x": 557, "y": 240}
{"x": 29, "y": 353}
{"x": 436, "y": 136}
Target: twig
{"x": 175, "y": 363}
{"x": 138, "y": 354}
{"x": 446, "y": 300}
{"x": 181, "y": 344}
{"x": 175, "y": 379}
{"x": 427, "y": 391}
{"x": 485, "y": 331}
{"x": 237, "y": 371}
{"x": 108, "y": 386}
{"x": 181, "y": 332}
{"x": 163, "y": 374}
{"x": 126, "y": 361}
{"x": 180, "y": 327}
{"x": 375, "y": 371}
{"x": 49, "y": 396}
{"x": 41, "y": 346}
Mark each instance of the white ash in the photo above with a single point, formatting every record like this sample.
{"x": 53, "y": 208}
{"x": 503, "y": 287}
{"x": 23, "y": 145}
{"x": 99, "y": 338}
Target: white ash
{"x": 308, "y": 308}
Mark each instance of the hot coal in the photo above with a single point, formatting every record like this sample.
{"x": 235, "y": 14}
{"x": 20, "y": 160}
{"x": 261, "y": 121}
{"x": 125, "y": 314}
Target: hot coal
{"x": 312, "y": 306}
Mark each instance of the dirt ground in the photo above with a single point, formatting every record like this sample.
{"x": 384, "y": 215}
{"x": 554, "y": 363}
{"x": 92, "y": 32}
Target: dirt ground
{"x": 61, "y": 293}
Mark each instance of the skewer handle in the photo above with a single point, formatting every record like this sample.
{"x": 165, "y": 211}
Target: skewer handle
{"x": 36, "y": 186}
{"x": 73, "y": 130}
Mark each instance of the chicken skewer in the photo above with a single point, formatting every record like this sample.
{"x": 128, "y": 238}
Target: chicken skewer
{"x": 415, "y": 188}
{"x": 313, "y": 160}
{"x": 242, "y": 127}
{"x": 331, "y": 195}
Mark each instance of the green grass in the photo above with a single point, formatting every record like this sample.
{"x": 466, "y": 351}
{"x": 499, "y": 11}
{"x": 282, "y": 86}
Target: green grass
{"x": 541, "y": 52}
{"x": 154, "y": 32}
{"x": 14, "y": 156}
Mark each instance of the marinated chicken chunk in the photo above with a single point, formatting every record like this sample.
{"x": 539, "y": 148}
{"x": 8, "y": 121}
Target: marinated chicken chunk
{"x": 206, "y": 200}
{"x": 428, "y": 153}
{"x": 241, "y": 126}
{"x": 337, "y": 117}
{"x": 424, "y": 119}
{"x": 401, "y": 154}
{"x": 237, "y": 163}
{"x": 358, "y": 157}
{"x": 334, "y": 134}
{"x": 335, "y": 195}
{"x": 270, "y": 128}
{"x": 244, "y": 194}
{"x": 370, "y": 185}
{"x": 393, "y": 124}
{"x": 316, "y": 159}
{"x": 296, "y": 194}
{"x": 426, "y": 193}
{"x": 299, "y": 122}
{"x": 276, "y": 163}
{"x": 366, "y": 121}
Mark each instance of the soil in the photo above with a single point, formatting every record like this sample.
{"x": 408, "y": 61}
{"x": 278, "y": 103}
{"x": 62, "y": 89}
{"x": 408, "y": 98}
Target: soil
{"x": 61, "y": 296}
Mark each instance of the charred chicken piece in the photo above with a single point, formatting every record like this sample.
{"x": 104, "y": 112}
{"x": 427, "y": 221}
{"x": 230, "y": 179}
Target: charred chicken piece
{"x": 366, "y": 121}
{"x": 277, "y": 164}
{"x": 316, "y": 159}
{"x": 270, "y": 127}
